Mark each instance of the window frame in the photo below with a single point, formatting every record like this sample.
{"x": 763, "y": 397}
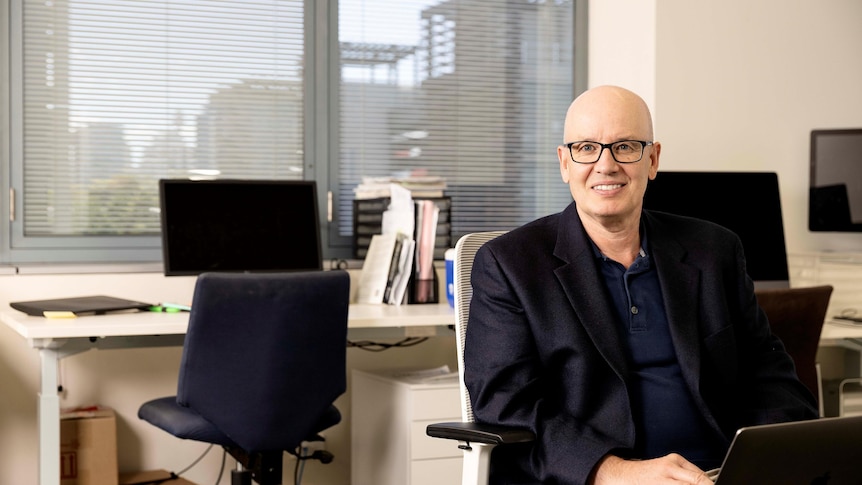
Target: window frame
{"x": 321, "y": 137}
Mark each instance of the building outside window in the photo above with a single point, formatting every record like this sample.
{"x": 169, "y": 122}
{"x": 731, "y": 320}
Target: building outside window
{"x": 104, "y": 98}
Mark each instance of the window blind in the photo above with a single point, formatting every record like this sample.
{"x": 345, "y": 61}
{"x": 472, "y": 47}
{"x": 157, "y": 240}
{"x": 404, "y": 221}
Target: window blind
{"x": 108, "y": 96}
{"x": 120, "y": 93}
{"x": 472, "y": 90}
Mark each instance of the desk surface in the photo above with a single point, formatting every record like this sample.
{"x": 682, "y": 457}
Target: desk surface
{"x": 359, "y": 316}
{"x": 834, "y": 330}
{"x": 154, "y": 323}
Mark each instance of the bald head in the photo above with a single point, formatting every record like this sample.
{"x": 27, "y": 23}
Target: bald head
{"x": 606, "y": 114}
{"x": 609, "y": 194}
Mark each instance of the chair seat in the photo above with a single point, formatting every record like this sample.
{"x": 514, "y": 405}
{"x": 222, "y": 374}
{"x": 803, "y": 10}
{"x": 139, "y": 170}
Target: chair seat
{"x": 183, "y": 422}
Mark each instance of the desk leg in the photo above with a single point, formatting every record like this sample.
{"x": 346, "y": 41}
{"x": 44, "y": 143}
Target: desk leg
{"x": 49, "y": 420}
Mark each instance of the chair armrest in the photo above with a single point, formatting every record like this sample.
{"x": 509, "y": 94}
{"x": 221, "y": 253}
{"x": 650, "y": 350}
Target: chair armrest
{"x": 480, "y": 433}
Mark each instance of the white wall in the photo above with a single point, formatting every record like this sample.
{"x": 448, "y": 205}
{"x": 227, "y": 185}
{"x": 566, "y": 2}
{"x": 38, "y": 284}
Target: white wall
{"x": 621, "y": 49}
{"x": 737, "y": 85}
{"x": 740, "y": 84}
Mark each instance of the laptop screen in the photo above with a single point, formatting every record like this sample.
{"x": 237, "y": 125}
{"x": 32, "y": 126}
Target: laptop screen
{"x": 239, "y": 226}
{"x": 823, "y": 451}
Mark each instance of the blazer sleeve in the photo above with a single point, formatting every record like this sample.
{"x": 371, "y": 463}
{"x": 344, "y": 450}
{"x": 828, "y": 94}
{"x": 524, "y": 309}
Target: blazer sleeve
{"x": 503, "y": 371}
{"x": 770, "y": 389}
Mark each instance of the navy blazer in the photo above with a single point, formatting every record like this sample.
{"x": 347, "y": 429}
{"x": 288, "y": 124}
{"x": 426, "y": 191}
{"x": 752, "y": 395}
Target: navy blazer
{"x": 543, "y": 350}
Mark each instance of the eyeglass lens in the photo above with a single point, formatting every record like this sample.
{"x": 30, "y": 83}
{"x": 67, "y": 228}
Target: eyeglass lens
{"x": 627, "y": 151}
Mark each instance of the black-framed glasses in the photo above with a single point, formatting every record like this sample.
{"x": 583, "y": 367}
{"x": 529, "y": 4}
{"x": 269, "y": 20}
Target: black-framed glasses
{"x": 624, "y": 151}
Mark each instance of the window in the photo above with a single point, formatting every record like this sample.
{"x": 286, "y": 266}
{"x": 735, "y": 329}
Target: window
{"x": 471, "y": 90}
{"x": 103, "y": 98}
{"x": 113, "y": 95}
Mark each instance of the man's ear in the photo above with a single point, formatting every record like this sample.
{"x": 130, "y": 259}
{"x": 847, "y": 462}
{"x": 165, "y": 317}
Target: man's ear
{"x": 562, "y": 156}
{"x": 655, "y": 153}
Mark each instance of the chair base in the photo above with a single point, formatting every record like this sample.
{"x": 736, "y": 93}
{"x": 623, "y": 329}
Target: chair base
{"x": 264, "y": 467}
{"x": 240, "y": 477}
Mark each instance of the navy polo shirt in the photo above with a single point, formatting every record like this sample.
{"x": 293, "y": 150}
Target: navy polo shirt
{"x": 665, "y": 415}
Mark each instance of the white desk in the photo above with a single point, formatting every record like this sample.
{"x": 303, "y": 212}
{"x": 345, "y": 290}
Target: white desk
{"x": 847, "y": 335}
{"x": 59, "y": 338}
{"x": 835, "y": 333}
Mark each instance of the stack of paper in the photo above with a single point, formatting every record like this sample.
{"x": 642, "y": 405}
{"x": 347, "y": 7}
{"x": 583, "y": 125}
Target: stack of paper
{"x": 418, "y": 185}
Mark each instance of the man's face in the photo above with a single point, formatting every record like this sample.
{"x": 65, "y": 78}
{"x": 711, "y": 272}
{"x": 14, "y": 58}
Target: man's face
{"x": 606, "y": 191}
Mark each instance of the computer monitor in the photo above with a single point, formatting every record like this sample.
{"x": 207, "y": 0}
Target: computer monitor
{"x": 239, "y": 226}
{"x": 747, "y": 203}
{"x": 835, "y": 192}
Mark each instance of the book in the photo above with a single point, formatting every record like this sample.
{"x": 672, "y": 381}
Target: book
{"x": 399, "y": 286}
{"x": 375, "y": 269}
{"x": 427, "y": 213}
{"x": 386, "y": 269}
{"x": 394, "y": 265}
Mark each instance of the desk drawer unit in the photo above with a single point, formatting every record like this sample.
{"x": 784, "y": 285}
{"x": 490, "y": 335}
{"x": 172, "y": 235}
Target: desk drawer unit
{"x": 389, "y": 413}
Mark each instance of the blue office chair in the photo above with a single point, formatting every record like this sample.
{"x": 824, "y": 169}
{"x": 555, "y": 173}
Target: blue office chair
{"x": 262, "y": 364}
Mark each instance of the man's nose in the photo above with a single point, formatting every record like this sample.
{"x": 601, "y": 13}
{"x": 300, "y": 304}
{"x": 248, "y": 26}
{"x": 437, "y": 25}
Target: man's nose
{"x": 606, "y": 162}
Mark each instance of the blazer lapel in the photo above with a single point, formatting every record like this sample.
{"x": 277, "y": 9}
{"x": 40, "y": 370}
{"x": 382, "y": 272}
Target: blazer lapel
{"x": 680, "y": 284}
{"x": 580, "y": 280}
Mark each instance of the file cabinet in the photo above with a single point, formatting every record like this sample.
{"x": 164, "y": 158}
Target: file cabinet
{"x": 389, "y": 413}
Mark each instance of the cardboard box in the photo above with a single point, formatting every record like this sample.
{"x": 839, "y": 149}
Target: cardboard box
{"x": 88, "y": 446}
{"x": 160, "y": 477}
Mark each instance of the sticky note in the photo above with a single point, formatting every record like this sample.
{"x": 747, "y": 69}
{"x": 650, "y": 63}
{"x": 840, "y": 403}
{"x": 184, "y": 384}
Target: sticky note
{"x": 49, "y": 314}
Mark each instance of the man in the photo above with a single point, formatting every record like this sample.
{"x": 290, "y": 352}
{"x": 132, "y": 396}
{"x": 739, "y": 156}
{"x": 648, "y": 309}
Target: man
{"x": 629, "y": 341}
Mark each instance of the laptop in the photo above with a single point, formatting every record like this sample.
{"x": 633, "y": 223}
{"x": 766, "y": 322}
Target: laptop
{"x": 825, "y": 451}
{"x": 79, "y": 305}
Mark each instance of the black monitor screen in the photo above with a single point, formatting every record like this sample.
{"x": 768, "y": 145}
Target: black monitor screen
{"x": 747, "y": 203}
{"x": 835, "y": 192}
{"x": 239, "y": 226}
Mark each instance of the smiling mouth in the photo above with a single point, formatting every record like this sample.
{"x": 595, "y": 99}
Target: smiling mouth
{"x": 608, "y": 187}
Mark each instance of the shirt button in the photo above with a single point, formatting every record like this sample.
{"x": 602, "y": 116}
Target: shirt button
{"x": 634, "y": 310}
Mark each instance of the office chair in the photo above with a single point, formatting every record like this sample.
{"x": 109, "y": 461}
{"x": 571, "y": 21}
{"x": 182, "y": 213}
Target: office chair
{"x": 476, "y": 440}
{"x": 263, "y": 361}
{"x": 796, "y": 316}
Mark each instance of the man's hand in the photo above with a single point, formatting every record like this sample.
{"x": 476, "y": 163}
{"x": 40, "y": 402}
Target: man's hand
{"x": 670, "y": 469}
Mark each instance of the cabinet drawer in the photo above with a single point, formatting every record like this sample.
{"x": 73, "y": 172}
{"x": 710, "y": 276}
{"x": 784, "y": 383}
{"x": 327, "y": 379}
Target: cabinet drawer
{"x": 446, "y": 471}
{"x": 438, "y": 404}
{"x": 423, "y": 446}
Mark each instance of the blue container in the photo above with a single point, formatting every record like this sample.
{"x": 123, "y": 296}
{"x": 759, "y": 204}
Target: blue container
{"x": 450, "y": 276}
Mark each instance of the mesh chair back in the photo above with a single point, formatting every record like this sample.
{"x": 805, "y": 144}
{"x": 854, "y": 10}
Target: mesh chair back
{"x": 264, "y": 355}
{"x": 465, "y": 252}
